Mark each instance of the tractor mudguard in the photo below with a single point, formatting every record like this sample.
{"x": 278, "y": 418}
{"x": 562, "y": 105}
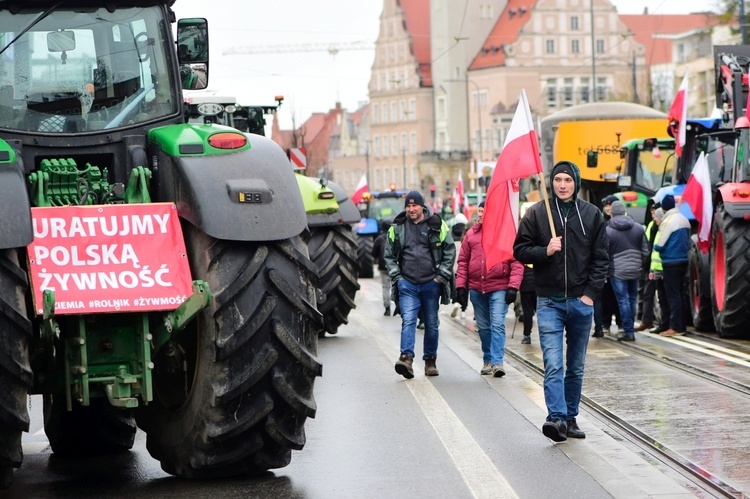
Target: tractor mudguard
{"x": 349, "y": 211}
{"x": 247, "y": 195}
{"x": 15, "y": 231}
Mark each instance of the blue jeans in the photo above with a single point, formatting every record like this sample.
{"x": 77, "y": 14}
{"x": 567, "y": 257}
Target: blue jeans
{"x": 489, "y": 312}
{"x": 412, "y": 297}
{"x": 626, "y": 292}
{"x": 562, "y": 389}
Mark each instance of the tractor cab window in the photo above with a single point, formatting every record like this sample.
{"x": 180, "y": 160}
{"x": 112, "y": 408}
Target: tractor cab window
{"x": 81, "y": 70}
{"x": 743, "y": 155}
{"x": 719, "y": 151}
{"x": 654, "y": 166}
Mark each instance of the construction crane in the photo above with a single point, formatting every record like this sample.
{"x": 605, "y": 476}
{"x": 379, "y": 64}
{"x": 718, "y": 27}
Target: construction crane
{"x": 332, "y": 48}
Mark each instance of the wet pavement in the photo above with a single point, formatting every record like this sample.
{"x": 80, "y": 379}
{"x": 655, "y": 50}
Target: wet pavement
{"x": 459, "y": 434}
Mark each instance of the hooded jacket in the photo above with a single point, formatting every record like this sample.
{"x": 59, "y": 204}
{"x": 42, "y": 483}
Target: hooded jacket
{"x": 472, "y": 270}
{"x": 581, "y": 267}
{"x": 442, "y": 253}
{"x": 673, "y": 238}
{"x": 628, "y": 247}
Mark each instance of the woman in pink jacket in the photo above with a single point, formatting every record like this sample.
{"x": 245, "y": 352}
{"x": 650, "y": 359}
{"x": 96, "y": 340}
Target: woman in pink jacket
{"x": 491, "y": 292}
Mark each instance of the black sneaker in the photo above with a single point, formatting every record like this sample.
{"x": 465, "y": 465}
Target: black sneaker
{"x": 387, "y": 311}
{"x": 573, "y": 430}
{"x": 526, "y": 340}
{"x": 556, "y": 430}
{"x": 404, "y": 366}
{"x": 625, "y": 337}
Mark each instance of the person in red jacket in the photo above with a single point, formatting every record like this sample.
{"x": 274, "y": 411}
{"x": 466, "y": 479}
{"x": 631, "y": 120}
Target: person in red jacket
{"x": 491, "y": 292}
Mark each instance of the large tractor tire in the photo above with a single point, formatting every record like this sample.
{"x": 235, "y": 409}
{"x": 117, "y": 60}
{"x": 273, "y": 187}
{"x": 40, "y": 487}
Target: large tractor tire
{"x": 334, "y": 250}
{"x": 93, "y": 430}
{"x": 233, "y": 390}
{"x": 364, "y": 256}
{"x": 730, "y": 274}
{"x": 699, "y": 289}
{"x": 15, "y": 371}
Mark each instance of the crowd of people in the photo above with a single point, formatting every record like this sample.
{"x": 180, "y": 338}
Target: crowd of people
{"x": 573, "y": 266}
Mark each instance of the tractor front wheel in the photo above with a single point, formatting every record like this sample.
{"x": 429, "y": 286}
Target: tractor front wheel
{"x": 15, "y": 371}
{"x": 233, "y": 390}
{"x": 334, "y": 250}
{"x": 699, "y": 287}
{"x": 730, "y": 274}
{"x": 364, "y": 256}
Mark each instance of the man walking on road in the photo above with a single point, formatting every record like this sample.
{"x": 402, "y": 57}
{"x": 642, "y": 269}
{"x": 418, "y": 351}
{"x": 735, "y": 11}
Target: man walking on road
{"x": 628, "y": 250}
{"x": 569, "y": 272}
{"x": 420, "y": 254}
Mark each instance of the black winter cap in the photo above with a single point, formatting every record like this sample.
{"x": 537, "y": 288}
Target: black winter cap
{"x": 414, "y": 197}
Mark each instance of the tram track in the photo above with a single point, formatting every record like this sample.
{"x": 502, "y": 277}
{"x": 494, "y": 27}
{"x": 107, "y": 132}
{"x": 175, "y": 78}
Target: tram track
{"x": 696, "y": 473}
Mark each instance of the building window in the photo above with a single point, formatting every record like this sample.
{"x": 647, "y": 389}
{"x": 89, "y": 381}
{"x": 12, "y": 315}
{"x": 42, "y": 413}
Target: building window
{"x": 413, "y": 109}
{"x": 478, "y": 140}
{"x": 441, "y": 108}
{"x": 600, "y": 46}
{"x": 574, "y": 23}
{"x": 568, "y": 92}
{"x": 376, "y": 147}
{"x": 394, "y": 112}
{"x": 585, "y": 90}
{"x": 680, "y": 52}
{"x": 441, "y": 141}
{"x": 601, "y": 89}
{"x": 375, "y": 114}
{"x": 551, "y": 93}
{"x": 403, "y": 113}
{"x": 394, "y": 144}
{"x": 480, "y": 99}
{"x": 403, "y": 143}
{"x": 550, "y": 46}
{"x": 386, "y": 145}
{"x": 385, "y": 113}
{"x": 413, "y": 148}
{"x": 575, "y": 46}
{"x": 377, "y": 186}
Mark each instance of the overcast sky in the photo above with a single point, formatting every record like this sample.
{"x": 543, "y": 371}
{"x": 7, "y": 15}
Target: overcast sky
{"x": 315, "y": 81}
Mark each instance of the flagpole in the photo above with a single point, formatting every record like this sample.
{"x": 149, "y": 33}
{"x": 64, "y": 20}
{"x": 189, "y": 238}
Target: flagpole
{"x": 545, "y": 198}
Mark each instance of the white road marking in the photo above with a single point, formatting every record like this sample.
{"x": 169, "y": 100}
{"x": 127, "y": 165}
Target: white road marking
{"x": 688, "y": 343}
{"x": 479, "y": 473}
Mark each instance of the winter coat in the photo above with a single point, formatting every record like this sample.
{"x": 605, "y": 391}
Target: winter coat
{"x": 442, "y": 252}
{"x": 472, "y": 270}
{"x": 673, "y": 238}
{"x": 378, "y": 251}
{"x": 628, "y": 247}
{"x": 581, "y": 267}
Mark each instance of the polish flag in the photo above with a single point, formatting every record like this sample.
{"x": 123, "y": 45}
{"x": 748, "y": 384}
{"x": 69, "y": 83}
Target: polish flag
{"x": 678, "y": 113}
{"x": 360, "y": 190}
{"x": 459, "y": 197}
{"x": 697, "y": 195}
{"x": 518, "y": 159}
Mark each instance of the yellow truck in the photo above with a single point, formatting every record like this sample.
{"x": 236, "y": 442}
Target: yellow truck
{"x": 590, "y": 135}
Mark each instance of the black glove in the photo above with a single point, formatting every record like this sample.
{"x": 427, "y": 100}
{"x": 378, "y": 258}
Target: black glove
{"x": 510, "y": 295}
{"x": 462, "y": 298}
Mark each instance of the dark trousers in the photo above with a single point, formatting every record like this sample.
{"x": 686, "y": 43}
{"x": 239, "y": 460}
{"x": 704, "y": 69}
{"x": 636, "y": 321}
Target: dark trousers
{"x": 674, "y": 283}
{"x": 654, "y": 290}
{"x": 528, "y": 305}
{"x": 605, "y": 306}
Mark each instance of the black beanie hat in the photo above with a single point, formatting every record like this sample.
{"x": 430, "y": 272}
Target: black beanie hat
{"x": 563, "y": 167}
{"x": 609, "y": 200}
{"x": 414, "y": 197}
{"x": 667, "y": 203}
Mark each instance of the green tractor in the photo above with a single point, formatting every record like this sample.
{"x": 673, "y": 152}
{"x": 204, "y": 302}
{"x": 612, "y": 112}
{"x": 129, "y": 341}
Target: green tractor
{"x": 330, "y": 241}
{"x": 152, "y": 272}
{"x": 331, "y": 214}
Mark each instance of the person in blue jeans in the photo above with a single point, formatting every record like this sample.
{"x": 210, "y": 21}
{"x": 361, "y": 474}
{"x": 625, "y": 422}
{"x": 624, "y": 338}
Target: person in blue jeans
{"x": 628, "y": 251}
{"x": 419, "y": 254}
{"x": 491, "y": 291}
{"x": 569, "y": 271}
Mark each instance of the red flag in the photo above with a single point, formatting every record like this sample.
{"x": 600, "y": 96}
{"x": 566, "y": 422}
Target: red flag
{"x": 678, "y": 113}
{"x": 697, "y": 194}
{"x": 360, "y": 190}
{"x": 459, "y": 197}
{"x": 519, "y": 158}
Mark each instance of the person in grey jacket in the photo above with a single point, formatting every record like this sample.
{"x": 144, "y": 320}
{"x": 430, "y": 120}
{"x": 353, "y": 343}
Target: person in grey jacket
{"x": 628, "y": 250}
{"x": 419, "y": 254}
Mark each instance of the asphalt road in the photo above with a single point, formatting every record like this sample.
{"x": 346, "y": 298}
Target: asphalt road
{"x": 378, "y": 435}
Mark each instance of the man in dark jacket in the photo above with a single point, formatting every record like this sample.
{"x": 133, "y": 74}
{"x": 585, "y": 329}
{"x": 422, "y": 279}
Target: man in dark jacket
{"x": 420, "y": 254}
{"x": 628, "y": 250}
{"x": 569, "y": 272}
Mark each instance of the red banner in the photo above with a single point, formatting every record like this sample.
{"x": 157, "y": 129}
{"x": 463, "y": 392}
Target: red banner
{"x": 109, "y": 258}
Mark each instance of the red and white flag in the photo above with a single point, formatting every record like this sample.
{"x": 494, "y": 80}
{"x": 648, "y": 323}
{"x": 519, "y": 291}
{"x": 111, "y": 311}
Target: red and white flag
{"x": 360, "y": 189}
{"x": 459, "y": 197}
{"x": 697, "y": 194}
{"x": 518, "y": 159}
{"x": 678, "y": 113}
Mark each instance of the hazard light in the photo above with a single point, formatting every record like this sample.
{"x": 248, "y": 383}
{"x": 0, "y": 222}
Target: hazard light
{"x": 393, "y": 187}
{"x": 630, "y": 196}
{"x": 326, "y": 195}
{"x": 227, "y": 140}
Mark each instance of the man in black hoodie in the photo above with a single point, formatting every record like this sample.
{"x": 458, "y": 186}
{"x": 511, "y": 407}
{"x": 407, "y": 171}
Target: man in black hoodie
{"x": 569, "y": 272}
